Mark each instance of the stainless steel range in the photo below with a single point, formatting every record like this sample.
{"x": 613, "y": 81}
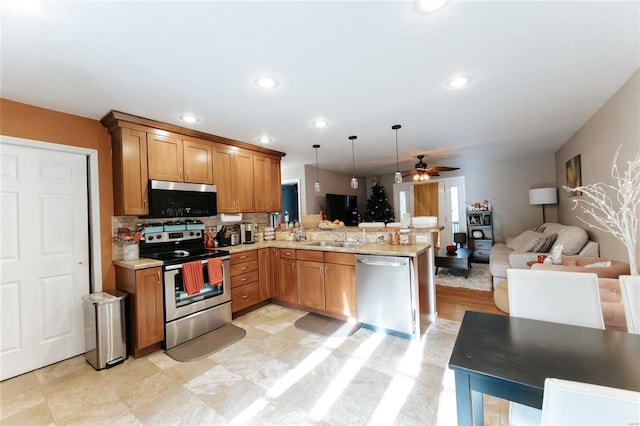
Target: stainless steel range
{"x": 188, "y": 316}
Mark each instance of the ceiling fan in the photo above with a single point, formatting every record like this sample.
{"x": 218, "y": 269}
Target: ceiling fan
{"x": 423, "y": 173}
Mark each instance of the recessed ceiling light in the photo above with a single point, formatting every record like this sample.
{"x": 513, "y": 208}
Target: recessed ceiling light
{"x": 320, "y": 123}
{"x": 267, "y": 82}
{"x": 459, "y": 82}
{"x": 189, "y": 118}
{"x": 264, "y": 139}
{"x": 430, "y": 6}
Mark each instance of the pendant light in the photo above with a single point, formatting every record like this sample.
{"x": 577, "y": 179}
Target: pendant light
{"x": 317, "y": 185}
{"x": 398, "y": 176}
{"x": 354, "y": 180}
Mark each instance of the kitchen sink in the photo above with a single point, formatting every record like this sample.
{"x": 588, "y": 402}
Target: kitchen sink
{"x": 345, "y": 244}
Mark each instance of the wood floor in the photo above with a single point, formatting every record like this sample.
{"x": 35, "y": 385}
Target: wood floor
{"x": 452, "y": 302}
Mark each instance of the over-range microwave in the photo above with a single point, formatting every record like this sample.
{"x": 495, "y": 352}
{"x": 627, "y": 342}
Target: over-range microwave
{"x": 180, "y": 199}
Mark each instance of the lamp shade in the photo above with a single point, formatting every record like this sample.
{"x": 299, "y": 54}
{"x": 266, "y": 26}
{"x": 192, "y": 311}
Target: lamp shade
{"x": 543, "y": 196}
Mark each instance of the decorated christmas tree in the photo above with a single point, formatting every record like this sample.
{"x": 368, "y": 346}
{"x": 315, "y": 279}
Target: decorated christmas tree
{"x": 378, "y": 207}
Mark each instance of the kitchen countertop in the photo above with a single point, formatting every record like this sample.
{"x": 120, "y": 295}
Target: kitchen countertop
{"x": 409, "y": 250}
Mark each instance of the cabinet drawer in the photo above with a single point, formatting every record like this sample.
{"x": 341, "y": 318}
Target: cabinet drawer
{"x": 481, "y": 254}
{"x": 310, "y": 255}
{"x": 287, "y": 254}
{"x": 244, "y": 256}
{"x": 482, "y": 244}
{"x": 243, "y": 268}
{"x": 243, "y": 279}
{"x": 244, "y": 296}
{"x": 340, "y": 258}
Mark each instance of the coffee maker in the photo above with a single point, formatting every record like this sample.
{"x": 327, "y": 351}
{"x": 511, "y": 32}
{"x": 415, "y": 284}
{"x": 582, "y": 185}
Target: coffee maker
{"x": 228, "y": 235}
{"x": 247, "y": 232}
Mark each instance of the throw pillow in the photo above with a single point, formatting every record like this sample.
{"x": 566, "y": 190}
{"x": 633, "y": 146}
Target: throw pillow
{"x": 572, "y": 239}
{"x": 524, "y": 241}
{"x": 599, "y": 265}
{"x": 543, "y": 245}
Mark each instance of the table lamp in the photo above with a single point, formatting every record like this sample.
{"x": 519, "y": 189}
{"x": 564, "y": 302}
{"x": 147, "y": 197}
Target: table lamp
{"x": 460, "y": 238}
{"x": 543, "y": 196}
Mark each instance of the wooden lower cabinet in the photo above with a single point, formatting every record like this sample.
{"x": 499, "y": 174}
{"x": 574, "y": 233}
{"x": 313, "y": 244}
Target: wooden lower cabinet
{"x": 284, "y": 275}
{"x": 340, "y": 289}
{"x": 288, "y": 291}
{"x": 264, "y": 274}
{"x": 323, "y": 282}
{"x": 245, "y": 290}
{"x": 310, "y": 280}
{"x": 145, "y": 322}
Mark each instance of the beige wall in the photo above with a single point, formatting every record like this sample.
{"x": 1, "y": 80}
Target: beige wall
{"x": 30, "y": 122}
{"x": 615, "y": 124}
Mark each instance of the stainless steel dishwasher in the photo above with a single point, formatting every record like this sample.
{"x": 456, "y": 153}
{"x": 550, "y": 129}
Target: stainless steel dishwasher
{"x": 384, "y": 294}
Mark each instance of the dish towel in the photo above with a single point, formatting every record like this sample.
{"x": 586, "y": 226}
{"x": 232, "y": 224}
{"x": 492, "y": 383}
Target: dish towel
{"x": 192, "y": 279}
{"x": 214, "y": 265}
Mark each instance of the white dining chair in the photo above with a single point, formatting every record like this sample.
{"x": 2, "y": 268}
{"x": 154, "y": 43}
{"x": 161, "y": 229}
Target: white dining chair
{"x": 573, "y": 403}
{"x": 556, "y": 296}
{"x": 630, "y": 294}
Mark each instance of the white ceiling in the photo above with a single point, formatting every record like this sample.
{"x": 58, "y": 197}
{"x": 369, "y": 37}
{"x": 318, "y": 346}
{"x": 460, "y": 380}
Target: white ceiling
{"x": 539, "y": 71}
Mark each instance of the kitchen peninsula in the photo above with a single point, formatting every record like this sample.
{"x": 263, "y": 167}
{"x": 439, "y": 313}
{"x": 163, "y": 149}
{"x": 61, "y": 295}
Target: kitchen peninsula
{"x": 317, "y": 275}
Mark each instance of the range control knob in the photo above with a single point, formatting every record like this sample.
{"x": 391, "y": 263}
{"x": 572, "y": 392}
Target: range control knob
{"x": 197, "y": 233}
{"x": 191, "y": 233}
{"x": 150, "y": 238}
{"x": 159, "y": 236}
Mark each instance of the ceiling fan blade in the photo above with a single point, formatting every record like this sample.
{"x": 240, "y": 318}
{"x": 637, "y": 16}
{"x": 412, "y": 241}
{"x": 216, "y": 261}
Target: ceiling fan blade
{"x": 443, "y": 168}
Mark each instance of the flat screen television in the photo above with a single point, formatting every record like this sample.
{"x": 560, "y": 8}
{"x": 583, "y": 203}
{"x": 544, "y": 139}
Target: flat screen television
{"x": 342, "y": 207}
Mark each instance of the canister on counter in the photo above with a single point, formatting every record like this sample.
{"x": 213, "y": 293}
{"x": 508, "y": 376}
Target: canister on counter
{"x": 404, "y": 236}
{"x": 393, "y": 236}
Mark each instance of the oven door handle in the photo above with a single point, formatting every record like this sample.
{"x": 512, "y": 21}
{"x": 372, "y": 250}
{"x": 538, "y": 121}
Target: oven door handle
{"x": 179, "y": 266}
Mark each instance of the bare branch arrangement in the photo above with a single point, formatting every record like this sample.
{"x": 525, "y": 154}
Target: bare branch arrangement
{"x": 615, "y": 209}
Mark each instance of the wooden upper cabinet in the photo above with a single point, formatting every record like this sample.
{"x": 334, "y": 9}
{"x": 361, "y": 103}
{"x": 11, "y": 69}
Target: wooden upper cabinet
{"x": 233, "y": 177}
{"x": 130, "y": 174}
{"x": 180, "y": 160}
{"x": 268, "y": 192}
{"x": 198, "y": 161}
{"x": 165, "y": 157}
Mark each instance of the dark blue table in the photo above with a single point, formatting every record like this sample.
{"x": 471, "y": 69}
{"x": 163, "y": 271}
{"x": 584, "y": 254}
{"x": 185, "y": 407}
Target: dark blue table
{"x": 510, "y": 358}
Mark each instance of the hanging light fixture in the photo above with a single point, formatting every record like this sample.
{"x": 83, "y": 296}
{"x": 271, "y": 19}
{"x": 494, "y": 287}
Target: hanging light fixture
{"x": 398, "y": 175}
{"x": 317, "y": 185}
{"x": 354, "y": 180}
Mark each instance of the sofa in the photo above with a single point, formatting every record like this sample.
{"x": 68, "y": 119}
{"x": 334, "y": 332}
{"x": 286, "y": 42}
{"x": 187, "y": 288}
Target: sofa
{"x": 517, "y": 251}
{"x": 607, "y": 271}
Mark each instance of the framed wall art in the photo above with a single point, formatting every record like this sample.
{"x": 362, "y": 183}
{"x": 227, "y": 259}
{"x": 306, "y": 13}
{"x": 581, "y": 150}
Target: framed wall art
{"x": 574, "y": 175}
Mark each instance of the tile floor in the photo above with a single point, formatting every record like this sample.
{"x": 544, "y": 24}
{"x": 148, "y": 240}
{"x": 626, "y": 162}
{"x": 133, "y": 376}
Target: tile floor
{"x": 276, "y": 375}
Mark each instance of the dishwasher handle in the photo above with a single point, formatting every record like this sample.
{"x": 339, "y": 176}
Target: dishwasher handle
{"x": 399, "y": 264}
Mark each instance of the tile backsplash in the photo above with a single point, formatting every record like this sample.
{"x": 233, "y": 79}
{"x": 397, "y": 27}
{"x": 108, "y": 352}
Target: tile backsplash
{"x": 132, "y": 222}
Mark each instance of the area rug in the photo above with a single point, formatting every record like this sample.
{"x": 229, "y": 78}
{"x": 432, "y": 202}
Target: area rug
{"x": 479, "y": 277}
{"x": 324, "y": 326}
{"x": 207, "y": 344}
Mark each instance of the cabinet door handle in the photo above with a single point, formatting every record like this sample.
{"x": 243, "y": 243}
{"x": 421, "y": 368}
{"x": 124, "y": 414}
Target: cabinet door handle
{"x": 180, "y": 171}
{"x": 244, "y": 279}
{"x": 144, "y": 204}
{"x": 246, "y": 296}
{"x": 158, "y": 274}
{"x": 293, "y": 266}
{"x": 326, "y": 270}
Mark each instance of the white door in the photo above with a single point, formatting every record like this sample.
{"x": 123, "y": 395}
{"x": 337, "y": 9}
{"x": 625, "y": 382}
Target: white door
{"x": 44, "y": 257}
